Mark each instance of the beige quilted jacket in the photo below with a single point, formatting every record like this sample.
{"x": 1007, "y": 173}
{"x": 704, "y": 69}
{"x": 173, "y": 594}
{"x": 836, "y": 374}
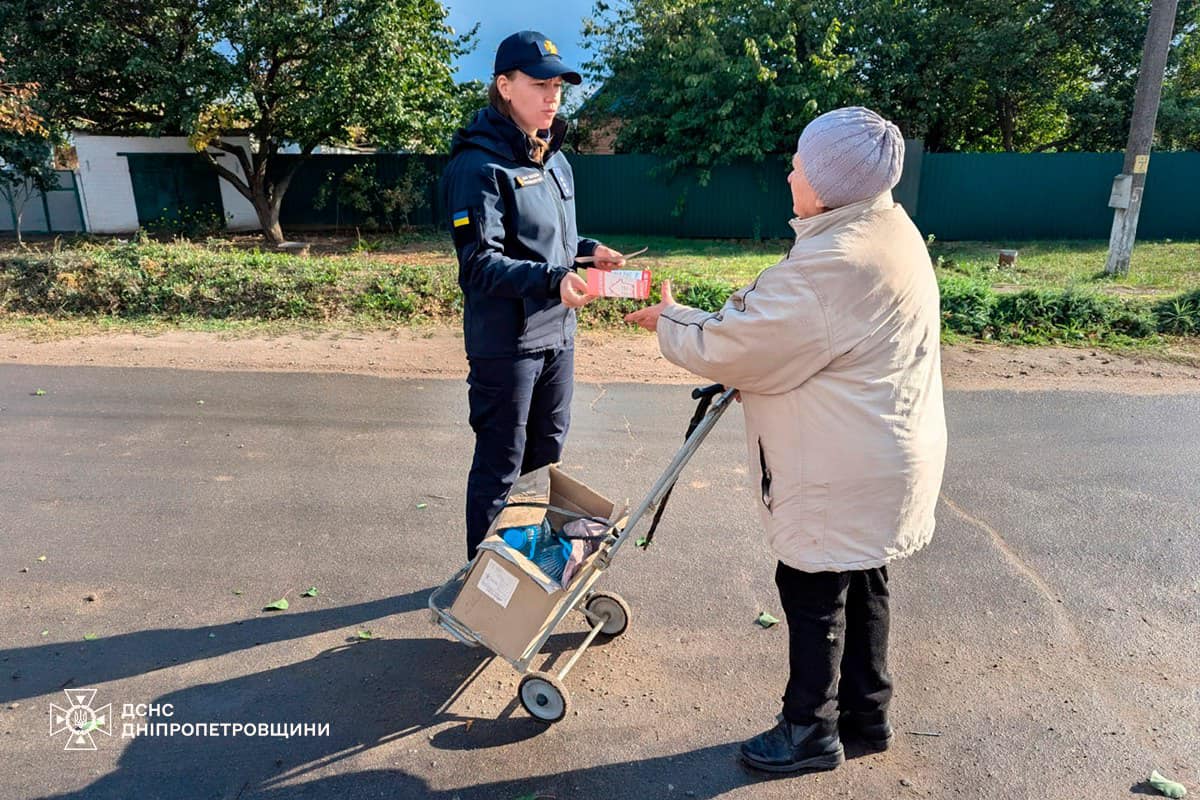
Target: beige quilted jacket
{"x": 835, "y": 350}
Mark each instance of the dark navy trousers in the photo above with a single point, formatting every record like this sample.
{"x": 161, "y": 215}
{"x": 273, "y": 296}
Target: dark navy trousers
{"x": 520, "y": 412}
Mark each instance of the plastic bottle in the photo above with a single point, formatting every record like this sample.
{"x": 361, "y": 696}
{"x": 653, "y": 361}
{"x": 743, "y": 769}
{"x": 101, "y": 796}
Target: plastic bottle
{"x": 539, "y": 544}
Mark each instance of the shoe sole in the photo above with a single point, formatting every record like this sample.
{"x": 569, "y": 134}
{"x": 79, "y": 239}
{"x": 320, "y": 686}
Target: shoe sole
{"x": 821, "y": 763}
{"x": 855, "y": 738}
{"x": 874, "y": 745}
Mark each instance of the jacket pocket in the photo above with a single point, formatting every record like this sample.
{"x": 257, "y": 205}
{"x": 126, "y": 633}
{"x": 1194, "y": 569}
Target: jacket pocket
{"x": 766, "y": 475}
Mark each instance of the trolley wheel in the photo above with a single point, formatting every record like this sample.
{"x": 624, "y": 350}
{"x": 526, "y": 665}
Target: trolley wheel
{"x": 612, "y": 607}
{"x": 544, "y": 697}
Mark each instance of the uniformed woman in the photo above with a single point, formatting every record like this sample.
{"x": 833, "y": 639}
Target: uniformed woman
{"x": 510, "y": 194}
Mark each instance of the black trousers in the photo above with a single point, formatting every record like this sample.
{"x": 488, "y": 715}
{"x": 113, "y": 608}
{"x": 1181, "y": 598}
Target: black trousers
{"x": 837, "y": 643}
{"x": 520, "y": 412}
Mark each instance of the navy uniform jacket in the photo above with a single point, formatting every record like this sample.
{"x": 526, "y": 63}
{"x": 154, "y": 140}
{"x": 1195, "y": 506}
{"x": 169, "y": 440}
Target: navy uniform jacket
{"x": 513, "y": 223}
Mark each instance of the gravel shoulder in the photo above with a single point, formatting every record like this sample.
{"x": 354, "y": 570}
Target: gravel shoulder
{"x": 436, "y": 352}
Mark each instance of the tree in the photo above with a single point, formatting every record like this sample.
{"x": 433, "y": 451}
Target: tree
{"x": 16, "y": 115}
{"x": 975, "y": 75}
{"x": 302, "y": 72}
{"x": 706, "y": 82}
{"x": 26, "y": 170}
{"x": 1179, "y": 114}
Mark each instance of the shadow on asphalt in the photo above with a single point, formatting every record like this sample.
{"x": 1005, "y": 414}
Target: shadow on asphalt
{"x": 44, "y": 669}
{"x": 370, "y": 693}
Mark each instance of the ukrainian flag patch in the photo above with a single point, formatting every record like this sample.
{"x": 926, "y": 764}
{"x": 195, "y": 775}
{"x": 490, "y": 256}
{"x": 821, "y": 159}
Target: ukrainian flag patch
{"x": 462, "y": 218}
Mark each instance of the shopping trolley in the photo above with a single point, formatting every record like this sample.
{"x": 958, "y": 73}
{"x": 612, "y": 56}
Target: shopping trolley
{"x": 544, "y": 694}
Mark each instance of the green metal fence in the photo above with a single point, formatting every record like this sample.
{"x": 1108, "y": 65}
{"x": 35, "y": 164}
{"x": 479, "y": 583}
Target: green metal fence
{"x": 1051, "y": 196}
{"x": 954, "y": 196}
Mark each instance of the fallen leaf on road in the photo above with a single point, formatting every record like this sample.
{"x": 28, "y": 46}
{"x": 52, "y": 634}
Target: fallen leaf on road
{"x": 422, "y": 505}
{"x": 279, "y": 605}
{"x": 237, "y": 591}
{"x": 365, "y": 635}
{"x": 310, "y": 592}
{"x": 766, "y": 620}
{"x": 1167, "y": 786}
{"x": 41, "y": 558}
{"x": 87, "y": 637}
{"x": 39, "y": 393}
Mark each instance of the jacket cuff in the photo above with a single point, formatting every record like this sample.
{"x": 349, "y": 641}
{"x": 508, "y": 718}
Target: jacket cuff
{"x": 587, "y": 248}
{"x": 556, "y": 278}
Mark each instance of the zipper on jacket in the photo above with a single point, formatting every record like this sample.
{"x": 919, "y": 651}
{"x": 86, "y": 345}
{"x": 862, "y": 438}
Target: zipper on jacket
{"x": 562, "y": 211}
{"x": 766, "y": 476}
{"x": 556, "y": 192}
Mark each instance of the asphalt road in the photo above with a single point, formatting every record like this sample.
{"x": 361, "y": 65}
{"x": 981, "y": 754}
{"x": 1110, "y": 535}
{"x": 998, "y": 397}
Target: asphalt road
{"x": 1049, "y": 635}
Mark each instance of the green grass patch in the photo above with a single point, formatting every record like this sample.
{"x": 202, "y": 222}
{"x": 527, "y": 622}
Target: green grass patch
{"x": 1054, "y": 294}
{"x": 1156, "y": 267}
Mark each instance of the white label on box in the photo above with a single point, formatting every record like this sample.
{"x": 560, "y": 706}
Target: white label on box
{"x": 498, "y": 583}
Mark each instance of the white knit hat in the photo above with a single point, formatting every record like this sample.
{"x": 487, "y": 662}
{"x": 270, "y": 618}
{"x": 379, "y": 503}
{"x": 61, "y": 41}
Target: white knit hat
{"x": 850, "y": 154}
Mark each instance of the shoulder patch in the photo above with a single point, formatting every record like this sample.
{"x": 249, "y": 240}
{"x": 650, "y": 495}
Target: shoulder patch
{"x": 462, "y": 218}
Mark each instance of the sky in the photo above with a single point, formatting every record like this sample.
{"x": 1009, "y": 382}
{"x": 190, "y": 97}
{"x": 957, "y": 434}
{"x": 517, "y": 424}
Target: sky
{"x": 560, "y": 20}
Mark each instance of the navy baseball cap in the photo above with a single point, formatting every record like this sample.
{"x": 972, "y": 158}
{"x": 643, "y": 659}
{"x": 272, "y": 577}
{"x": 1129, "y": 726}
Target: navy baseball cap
{"x": 534, "y": 54}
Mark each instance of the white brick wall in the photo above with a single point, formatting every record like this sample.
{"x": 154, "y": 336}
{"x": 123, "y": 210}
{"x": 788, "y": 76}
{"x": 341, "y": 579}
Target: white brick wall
{"x": 106, "y": 190}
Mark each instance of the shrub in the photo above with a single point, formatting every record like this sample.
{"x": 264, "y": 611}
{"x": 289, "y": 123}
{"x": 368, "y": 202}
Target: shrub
{"x": 967, "y": 306}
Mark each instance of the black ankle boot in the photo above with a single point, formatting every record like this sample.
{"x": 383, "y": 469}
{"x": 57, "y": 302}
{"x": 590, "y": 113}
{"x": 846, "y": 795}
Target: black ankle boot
{"x": 793, "y": 748}
{"x": 869, "y": 728}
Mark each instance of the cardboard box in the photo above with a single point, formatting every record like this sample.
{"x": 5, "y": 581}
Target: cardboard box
{"x": 506, "y": 600}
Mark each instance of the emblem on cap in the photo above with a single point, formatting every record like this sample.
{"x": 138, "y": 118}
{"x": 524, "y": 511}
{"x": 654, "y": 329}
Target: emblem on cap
{"x": 548, "y": 48}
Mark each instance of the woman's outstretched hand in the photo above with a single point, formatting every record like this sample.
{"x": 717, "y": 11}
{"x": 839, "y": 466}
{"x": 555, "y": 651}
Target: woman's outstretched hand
{"x": 648, "y": 317}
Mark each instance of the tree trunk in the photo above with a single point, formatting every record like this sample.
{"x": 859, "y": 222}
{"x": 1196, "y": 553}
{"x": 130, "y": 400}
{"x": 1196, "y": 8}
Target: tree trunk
{"x": 1006, "y": 112}
{"x": 268, "y": 218}
{"x": 265, "y": 207}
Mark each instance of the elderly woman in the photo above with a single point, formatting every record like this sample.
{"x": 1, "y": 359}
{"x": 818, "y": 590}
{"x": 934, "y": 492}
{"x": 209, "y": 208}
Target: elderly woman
{"x": 836, "y": 355}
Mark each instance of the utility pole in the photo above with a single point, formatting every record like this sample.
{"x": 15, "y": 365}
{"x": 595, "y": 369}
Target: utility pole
{"x": 1126, "y": 199}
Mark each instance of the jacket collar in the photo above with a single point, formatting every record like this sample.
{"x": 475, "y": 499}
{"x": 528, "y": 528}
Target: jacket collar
{"x": 814, "y": 226}
{"x": 496, "y": 133}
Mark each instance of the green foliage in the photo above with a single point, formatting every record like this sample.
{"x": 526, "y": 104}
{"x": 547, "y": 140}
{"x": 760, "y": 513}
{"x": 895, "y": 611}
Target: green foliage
{"x": 967, "y": 306}
{"x": 171, "y": 280}
{"x": 1180, "y": 315}
{"x": 707, "y": 295}
{"x": 385, "y": 207}
{"x": 1034, "y": 316}
{"x": 177, "y": 279}
{"x": 706, "y": 82}
{"x": 188, "y": 223}
{"x": 1179, "y": 114}
{"x": 409, "y": 293}
{"x": 290, "y": 71}
{"x": 26, "y": 169}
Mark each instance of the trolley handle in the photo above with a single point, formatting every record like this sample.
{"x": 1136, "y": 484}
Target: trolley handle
{"x": 705, "y": 395}
{"x": 707, "y": 391}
